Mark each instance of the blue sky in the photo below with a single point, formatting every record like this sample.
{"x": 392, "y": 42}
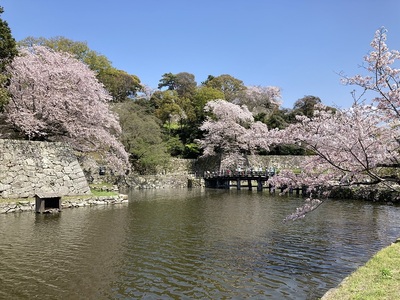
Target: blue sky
{"x": 300, "y": 46}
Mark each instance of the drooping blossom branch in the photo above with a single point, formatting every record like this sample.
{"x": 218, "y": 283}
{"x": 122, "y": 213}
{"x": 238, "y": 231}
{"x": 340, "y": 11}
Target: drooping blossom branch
{"x": 308, "y": 206}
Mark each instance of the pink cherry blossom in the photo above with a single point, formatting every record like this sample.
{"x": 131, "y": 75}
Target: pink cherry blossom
{"x": 350, "y": 147}
{"x": 230, "y": 131}
{"x": 358, "y": 146}
{"x": 56, "y": 97}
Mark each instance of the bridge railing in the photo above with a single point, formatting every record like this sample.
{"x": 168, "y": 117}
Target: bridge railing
{"x": 240, "y": 173}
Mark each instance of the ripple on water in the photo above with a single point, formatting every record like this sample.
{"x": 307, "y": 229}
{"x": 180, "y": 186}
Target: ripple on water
{"x": 189, "y": 245}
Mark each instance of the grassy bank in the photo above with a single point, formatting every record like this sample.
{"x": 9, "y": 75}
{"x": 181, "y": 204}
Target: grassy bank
{"x": 379, "y": 278}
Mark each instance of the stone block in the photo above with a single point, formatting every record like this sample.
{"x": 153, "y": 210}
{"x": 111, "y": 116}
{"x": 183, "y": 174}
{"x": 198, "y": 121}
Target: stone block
{"x": 63, "y": 190}
{"x": 68, "y": 170}
{"x": 58, "y": 169}
{"x": 20, "y": 178}
{"x": 4, "y": 187}
{"x": 77, "y": 176}
{"x": 30, "y": 162}
{"x": 48, "y": 171}
{"x": 31, "y": 173}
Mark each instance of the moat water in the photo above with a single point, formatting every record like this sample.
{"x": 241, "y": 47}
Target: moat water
{"x": 190, "y": 244}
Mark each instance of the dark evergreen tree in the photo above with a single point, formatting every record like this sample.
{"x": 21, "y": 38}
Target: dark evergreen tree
{"x": 8, "y": 50}
{"x": 8, "y": 46}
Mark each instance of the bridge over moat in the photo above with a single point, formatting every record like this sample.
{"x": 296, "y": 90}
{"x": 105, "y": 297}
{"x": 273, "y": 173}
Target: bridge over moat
{"x": 245, "y": 179}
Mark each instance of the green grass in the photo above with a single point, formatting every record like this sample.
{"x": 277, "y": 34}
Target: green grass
{"x": 103, "y": 193}
{"x": 378, "y": 279}
{"x": 15, "y": 200}
{"x": 97, "y": 190}
{"x": 100, "y": 185}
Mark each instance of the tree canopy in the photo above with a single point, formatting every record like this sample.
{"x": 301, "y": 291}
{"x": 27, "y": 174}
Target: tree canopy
{"x": 80, "y": 50}
{"x": 119, "y": 84}
{"x": 227, "y": 84}
{"x": 358, "y": 146}
{"x": 56, "y": 97}
{"x": 305, "y": 106}
{"x": 142, "y": 137}
{"x": 8, "y": 45}
{"x": 8, "y": 50}
{"x": 260, "y": 99}
{"x": 231, "y": 133}
{"x": 183, "y": 83}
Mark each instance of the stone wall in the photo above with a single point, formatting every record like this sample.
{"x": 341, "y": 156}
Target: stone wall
{"x": 183, "y": 173}
{"x": 28, "y": 168}
{"x": 276, "y": 161}
{"x": 175, "y": 181}
{"x": 180, "y": 173}
{"x": 253, "y": 161}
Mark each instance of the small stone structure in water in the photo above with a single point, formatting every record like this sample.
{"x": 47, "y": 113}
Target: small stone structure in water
{"x": 30, "y": 167}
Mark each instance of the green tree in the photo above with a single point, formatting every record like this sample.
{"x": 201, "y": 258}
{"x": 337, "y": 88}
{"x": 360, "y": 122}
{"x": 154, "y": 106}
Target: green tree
{"x": 168, "y": 80}
{"x": 166, "y": 106}
{"x": 183, "y": 83}
{"x": 230, "y": 86}
{"x": 8, "y": 46}
{"x": 305, "y": 106}
{"x": 121, "y": 85}
{"x": 8, "y": 50}
{"x": 191, "y": 131}
{"x": 192, "y": 117}
{"x": 142, "y": 137}
{"x": 278, "y": 119}
{"x": 203, "y": 95}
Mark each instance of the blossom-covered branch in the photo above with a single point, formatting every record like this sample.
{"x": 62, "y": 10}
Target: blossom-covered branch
{"x": 230, "y": 131}
{"x": 355, "y": 146}
{"x": 56, "y": 97}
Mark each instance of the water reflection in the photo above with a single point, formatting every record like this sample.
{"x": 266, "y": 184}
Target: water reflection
{"x": 196, "y": 244}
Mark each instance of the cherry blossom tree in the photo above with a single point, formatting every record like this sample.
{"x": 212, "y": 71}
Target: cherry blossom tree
{"x": 260, "y": 99}
{"x": 230, "y": 132}
{"x": 358, "y": 146}
{"x": 351, "y": 147}
{"x": 383, "y": 67}
{"x": 56, "y": 97}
